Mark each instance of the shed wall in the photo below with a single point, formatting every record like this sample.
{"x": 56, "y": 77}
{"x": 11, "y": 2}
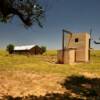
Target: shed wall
{"x": 34, "y": 51}
{"x": 82, "y": 46}
{"x": 68, "y": 58}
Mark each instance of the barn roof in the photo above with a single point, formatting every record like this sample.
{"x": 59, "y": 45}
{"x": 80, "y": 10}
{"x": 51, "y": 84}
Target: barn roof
{"x": 26, "y": 47}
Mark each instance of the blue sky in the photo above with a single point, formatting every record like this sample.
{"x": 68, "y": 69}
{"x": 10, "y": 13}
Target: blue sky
{"x": 73, "y": 15}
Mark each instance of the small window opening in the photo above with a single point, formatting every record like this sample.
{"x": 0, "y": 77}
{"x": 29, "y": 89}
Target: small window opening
{"x": 76, "y": 40}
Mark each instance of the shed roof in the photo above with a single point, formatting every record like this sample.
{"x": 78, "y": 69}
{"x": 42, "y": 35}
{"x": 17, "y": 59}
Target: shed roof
{"x": 26, "y": 47}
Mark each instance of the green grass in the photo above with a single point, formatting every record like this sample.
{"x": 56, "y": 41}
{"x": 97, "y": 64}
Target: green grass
{"x": 51, "y": 52}
{"x": 94, "y": 65}
{"x": 47, "y": 64}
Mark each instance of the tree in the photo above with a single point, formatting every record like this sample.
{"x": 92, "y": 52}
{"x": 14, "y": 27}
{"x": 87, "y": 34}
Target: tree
{"x": 10, "y": 48}
{"x": 43, "y": 49}
{"x": 29, "y": 11}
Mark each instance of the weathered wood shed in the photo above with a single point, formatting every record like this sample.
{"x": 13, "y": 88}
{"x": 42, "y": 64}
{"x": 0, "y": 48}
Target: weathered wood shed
{"x": 27, "y": 49}
{"x": 76, "y": 48}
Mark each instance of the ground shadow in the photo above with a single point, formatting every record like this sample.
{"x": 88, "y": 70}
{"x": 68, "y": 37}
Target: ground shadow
{"x": 52, "y": 96}
{"x": 79, "y": 87}
{"x": 89, "y": 88}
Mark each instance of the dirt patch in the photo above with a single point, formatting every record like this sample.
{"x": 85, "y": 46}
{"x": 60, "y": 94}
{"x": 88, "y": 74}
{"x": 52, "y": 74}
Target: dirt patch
{"x": 20, "y": 83}
{"x": 28, "y": 85}
{"x": 90, "y": 75}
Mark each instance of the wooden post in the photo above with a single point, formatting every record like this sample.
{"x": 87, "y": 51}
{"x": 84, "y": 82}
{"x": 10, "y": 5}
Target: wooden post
{"x": 63, "y": 42}
{"x": 90, "y": 44}
{"x": 89, "y": 49}
{"x": 62, "y": 46}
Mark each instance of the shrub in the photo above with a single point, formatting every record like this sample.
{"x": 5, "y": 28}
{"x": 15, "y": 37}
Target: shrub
{"x": 10, "y": 48}
{"x": 43, "y": 49}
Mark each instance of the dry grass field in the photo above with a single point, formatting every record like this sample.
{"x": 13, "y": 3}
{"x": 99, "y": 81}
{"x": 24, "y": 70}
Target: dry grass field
{"x": 25, "y": 77}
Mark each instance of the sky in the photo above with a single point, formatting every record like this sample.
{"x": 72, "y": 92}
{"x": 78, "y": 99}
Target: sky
{"x": 73, "y": 15}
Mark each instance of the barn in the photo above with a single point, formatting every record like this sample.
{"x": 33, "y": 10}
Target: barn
{"x": 27, "y": 49}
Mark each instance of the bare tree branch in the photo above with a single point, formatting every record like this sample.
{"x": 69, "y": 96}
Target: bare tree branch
{"x": 29, "y": 11}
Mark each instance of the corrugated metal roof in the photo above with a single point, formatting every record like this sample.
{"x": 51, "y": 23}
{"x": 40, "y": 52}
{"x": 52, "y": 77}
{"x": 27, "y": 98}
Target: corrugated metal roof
{"x": 26, "y": 47}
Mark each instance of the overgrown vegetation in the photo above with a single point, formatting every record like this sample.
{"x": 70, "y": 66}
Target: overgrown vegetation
{"x": 43, "y": 49}
{"x": 10, "y": 48}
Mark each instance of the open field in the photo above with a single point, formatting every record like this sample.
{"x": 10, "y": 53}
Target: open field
{"x": 22, "y": 75}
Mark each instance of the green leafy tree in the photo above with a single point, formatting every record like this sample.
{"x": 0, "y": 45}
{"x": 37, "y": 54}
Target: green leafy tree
{"x": 10, "y": 48}
{"x": 43, "y": 49}
{"x": 29, "y": 11}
